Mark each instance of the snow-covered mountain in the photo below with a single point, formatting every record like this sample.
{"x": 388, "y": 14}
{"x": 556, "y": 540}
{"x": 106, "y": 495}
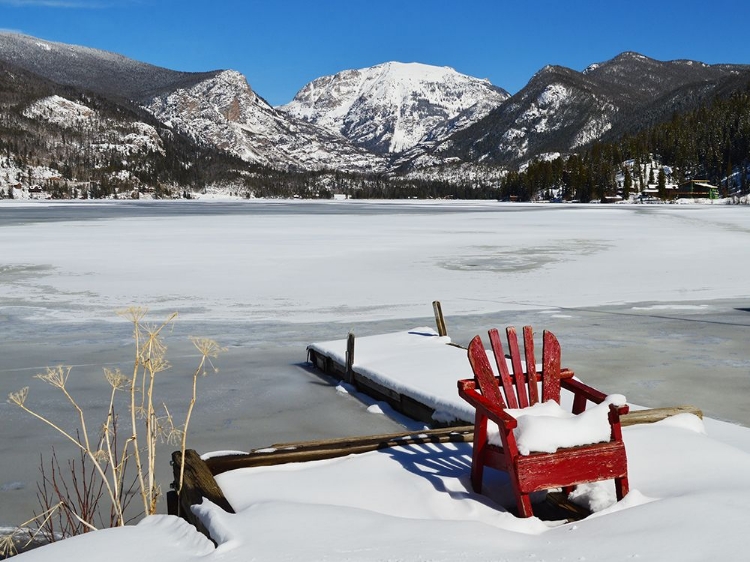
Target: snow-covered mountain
{"x": 216, "y": 108}
{"x": 393, "y": 106}
{"x": 224, "y": 111}
{"x": 561, "y": 110}
{"x": 414, "y": 120}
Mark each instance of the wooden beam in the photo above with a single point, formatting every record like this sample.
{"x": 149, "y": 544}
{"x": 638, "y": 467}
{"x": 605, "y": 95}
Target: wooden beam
{"x": 319, "y": 450}
{"x": 350, "y": 358}
{"x": 283, "y": 453}
{"x": 657, "y": 414}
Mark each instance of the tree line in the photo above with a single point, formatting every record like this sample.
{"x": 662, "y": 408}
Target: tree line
{"x": 710, "y": 143}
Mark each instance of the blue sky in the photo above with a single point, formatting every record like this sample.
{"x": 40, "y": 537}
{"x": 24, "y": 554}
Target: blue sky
{"x": 281, "y": 45}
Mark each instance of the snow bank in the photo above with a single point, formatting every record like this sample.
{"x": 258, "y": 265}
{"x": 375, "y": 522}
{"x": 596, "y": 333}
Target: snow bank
{"x": 415, "y": 503}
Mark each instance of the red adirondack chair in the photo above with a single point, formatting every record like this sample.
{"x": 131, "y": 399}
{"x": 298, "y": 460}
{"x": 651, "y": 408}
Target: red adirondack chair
{"x": 491, "y": 395}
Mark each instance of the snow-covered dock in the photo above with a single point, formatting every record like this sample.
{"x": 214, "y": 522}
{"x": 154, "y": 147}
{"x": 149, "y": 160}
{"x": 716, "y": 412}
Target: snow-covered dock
{"x": 414, "y": 371}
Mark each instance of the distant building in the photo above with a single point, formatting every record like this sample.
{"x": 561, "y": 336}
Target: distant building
{"x": 699, "y": 188}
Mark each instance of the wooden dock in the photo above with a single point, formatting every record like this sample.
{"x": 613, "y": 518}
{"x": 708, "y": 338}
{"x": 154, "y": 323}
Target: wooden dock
{"x": 420, "y": 397}
{"x": 400, "y": 402}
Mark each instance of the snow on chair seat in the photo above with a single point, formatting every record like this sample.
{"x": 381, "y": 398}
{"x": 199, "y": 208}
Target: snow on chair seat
{"x": 546, "y": 427}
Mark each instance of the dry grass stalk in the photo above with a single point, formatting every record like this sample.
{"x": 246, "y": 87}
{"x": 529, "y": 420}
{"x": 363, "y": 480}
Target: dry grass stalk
{"x": 150, "y": 423}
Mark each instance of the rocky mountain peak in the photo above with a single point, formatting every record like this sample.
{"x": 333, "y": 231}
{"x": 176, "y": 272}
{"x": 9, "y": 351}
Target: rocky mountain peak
{"x": 390, "y": 107}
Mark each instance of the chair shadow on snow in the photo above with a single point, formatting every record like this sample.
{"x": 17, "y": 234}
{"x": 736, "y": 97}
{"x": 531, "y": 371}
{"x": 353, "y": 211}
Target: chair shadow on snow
{"x": 439, "y": 463}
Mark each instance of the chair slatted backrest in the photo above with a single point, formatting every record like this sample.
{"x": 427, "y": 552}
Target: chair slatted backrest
{"x": 528, "y": 346}
{"x": 550, "y": 367}
{"x": 519, "y": 387}
{"x": 483, "y": 374}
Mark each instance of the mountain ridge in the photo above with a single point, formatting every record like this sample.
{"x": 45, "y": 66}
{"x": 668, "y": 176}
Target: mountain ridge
{"x": 101, "y": 71}
{"x": 591, "y": 105}
{"x": 395, "y": 120}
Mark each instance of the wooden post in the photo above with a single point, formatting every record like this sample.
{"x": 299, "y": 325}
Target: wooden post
{"x": 439, "y": 319}
{"x": 350, "y": 358}
{"x": 198, "y": 483}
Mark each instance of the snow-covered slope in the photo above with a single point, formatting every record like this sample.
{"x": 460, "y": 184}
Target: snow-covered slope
{"x": 127, "y": 138}
{"x": 224, "y": 111}
{"x": 391, "y": 107}
{"x": 561, "y": 110}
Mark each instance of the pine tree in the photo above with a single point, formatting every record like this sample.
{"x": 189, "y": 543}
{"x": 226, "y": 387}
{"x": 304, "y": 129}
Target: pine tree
{"x": 662, "y": 188}
{"x": 627, "y": 184}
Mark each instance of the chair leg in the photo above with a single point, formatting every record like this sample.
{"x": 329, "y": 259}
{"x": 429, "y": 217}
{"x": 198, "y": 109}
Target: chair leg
{"x": 477, "y": 454}
{"x": 622, "y": 487}
{"x": 477, "y": 473}
{"x": 523, "y": 501}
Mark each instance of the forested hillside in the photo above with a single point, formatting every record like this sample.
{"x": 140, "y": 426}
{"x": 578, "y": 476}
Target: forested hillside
{"x": 710, "y": 143}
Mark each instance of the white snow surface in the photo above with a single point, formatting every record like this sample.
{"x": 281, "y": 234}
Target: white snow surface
{"x": 688, "y": 477}
{"x": 61, "y": 111}
{"x": 317, "y": 265}
{"x": 547, "y": 426}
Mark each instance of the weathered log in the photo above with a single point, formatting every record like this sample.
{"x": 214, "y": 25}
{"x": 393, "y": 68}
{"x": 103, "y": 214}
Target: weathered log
{"x": 319, "y": 450}
{"x": 425, "y": 436}
{"x": 282, "y": 453}
{"x": 657, "y": 414}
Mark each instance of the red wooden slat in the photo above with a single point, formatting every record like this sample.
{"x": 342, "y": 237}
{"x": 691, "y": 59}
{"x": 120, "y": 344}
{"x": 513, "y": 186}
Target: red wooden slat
{"x": 502, "y": 367}
{"x": 528, "y": 347}
{"x": 483, "y": 372}
{"x": 550, "y": 367}
{"x": 568, "y": 467}
{"x": 518, "y": 374}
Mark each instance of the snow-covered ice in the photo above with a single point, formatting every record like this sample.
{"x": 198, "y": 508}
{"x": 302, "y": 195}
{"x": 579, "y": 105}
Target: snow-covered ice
{"x": 272, "y": 277}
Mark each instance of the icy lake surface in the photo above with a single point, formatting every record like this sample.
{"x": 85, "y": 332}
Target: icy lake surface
{"x": 648, "y": 301}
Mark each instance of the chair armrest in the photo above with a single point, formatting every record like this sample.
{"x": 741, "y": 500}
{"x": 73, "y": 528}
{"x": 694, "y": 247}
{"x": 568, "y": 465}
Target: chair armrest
{"x": 615, "y": 412}
{"x": 583, "y": 390}
{"x": 566, "y": 373}
{"x": 467, "y": 390}
{"x": 618, "y": 411}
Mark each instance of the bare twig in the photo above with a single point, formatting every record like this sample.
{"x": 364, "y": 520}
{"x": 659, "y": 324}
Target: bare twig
{"x": 77, "y": 494}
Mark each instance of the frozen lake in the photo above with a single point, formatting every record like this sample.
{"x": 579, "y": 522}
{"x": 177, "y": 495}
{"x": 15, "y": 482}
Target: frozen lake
{"x": 648, "y": 301}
